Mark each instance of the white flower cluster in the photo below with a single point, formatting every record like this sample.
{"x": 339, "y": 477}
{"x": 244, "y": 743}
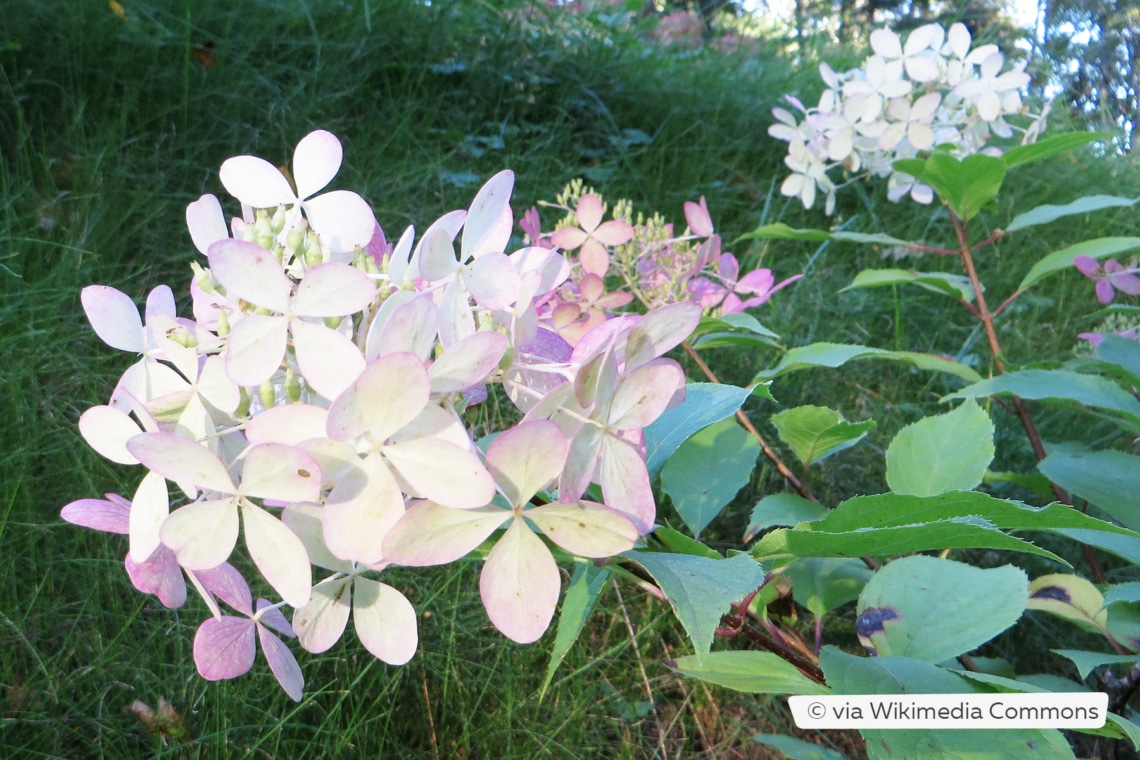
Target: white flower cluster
{"x": 934, "y": 90}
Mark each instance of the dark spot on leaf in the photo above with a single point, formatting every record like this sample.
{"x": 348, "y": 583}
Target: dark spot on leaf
{"x": 1053, "y": 592}
{"x": 581, "y": 525}
{"x": 304, "y": 473}
{"x": 872, "y": 619}
{"x": 1031, "y": 745}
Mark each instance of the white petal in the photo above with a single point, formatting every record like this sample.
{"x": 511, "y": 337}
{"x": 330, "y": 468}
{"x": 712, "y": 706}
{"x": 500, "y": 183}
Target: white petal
{"x": 385, "y": 621}
{"x": 256, "y": 182}
{"x": 181, "y": 460}
{"x": 114, "y": 317}
{"x": 356, "y": 520}
{"x": 342, "y": 218}
{"x": 278, "y": 554}
{"x": 280, "y": 472}
{"x": 886, "y": 43}
{"x": 520, "y": 585}
{"x": 255, "y": 347}
{"x": 391, "y": 393}
{"x": 492, "y": 281}
{"x": 316, "y": 161}
{"x": 411, "y": 327}
{"x": 251, "y": 273}
{"x": 202, "y": 534}
{"x": 206, "y": 222}
{"x": 320, "y": 623}
{"x": 431, "y": 534}
{"x": 333, "y": 290}
{"x": 107, "y": 430}
{"x": 489, "y": 220}
{"x": 585, "y": 528}
{"x": 329, "y": 361}
{"x": 468, "y": 362}
{"x": 149, "y": 509}
{"x": 442, "y": 472}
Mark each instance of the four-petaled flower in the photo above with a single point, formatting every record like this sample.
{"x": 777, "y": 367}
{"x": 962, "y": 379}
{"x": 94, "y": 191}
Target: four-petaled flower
{"x": 1111, "y": 277}
{"x": 593, "y": 235}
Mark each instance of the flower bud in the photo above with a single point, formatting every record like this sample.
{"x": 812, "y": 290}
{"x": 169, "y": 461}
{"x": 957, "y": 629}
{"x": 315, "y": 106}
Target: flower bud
{"x": 292, "y": 386}
{"x": 243, "y": 403}
{"x": 508, "y": 359}
{"x": 223, "y": 323}
{"x": 267, "y": 393}
{"x": 277, "y": 223}
{"x": 333, "y": 322}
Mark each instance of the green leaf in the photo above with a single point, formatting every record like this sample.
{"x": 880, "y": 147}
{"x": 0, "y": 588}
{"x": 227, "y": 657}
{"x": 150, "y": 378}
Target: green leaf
{"x": 585, "y": 588}
{"x": 678, "y": 543}
{"x": 1051, "y": 146}
{"x": 1059, "y": 384}
{"x": 706, "y": 471}
{"x": 837, "y": 354}
{"x": 749, "y": 671}
{"x": 1123, "y": 353}
{"x": 1109, "y": 479}
{"x": 1122, "y": 592}
{"x": 784, "y": 509}
{"x": 1099, "y": 248}
{"x": 1126, "y": 547}
{"x": 944, "y": 283}
{"x": 892, "y": 509}
{"x": 946, "y": 452}
{"x": 797, "y": 749}
{"x": 704, "y": 404}
{"x": 740, "y": 329}
{"x": 964, "y": 185}
{"x": 1087, "y": 662}
{"x": 781, "y": 231}
{"x": 823, "y": 584}
{"x": 848, "y": 674}
{"x": 700, "y": 590}
{"x": 816, "y": 432}
{"x": 1050, "y": 213}
{"x": 955, "y": 533}
{"x": 935, "y": 609}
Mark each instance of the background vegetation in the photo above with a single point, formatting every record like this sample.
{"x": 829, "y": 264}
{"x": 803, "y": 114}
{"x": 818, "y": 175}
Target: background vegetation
{"x": 113, "y": 118}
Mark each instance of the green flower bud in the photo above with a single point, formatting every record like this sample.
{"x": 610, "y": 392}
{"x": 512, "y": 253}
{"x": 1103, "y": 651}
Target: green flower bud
{"x": 333, "y": 322}
{"x": 223, "y": 324}
{"x": 262, "y": 310}
{"x": 508, "y": 359}
{"x": 292, "y": 386}
{"x": 267, "y": 393}
{"x": 293, "y": 241}
{"x": 277, "y": 223}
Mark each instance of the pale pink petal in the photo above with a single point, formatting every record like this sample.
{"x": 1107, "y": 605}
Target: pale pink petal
{"x": 614, "y": 232}
{"x": 256, "y": 182}
{"x": 644, "y": 395}
{"x": 580, "y": 463}
{"x": 202, "y": 534}
{"x": 251, "y": 273}
{"x": 922, "y": 68}
{"x": 625, "y": 483}
{"x": 489, "y": 219}
{"x": 412, "y": 327}
{"x": 345, "y": 422}
{"x": 390, "y": 393}
{"x": 316, "y": 160}
{"x": 321, "y": 622}
{"x": 107, "y": 430}
{"x": 149, "y": 509}
{"x": 385, "y": 621}
{"x": 520, "y": 585}
{"x": 333, "y": 290}
{"x": 304, "y": 519}
{"x": 527, "y": 458}
{"x": 585, "y": 528}
{"x": 226, "y": 583}
{"x": 697, "y": 214}
{"x": 437, "y": 255}
{"x": 289, "y": 424}
{"x": 467, "y": 362}
{"x": 594, "y": 258}
{"x": 356, "y": 520}
{"x": 457, "y": 320}
{"x": 401, "y": 268}
{"x": 431, "y": 534}
{"x": 590, "y": 212}
{"x": 99, "y": 514}
{"x": 114, "y": 317}
{"x": 442, "y": 472}
{"x": 284, "y": 473}
{"x": 159, "y": 575}
{"x": 342, "y": 218}
{"x": 278, "y": 554}
{"x": 282, "y": 663}
{"x": 329, "y": 361}
{"x": 224, "y": 648}
{"x": 160, "y": 303}
{"x": 216, "y": 387}
{"x": 434, "y": 422}
{"x": 206, "y": 222}
{"x": 660, "y": 330}
{"x": 492, "y": 281}
{"x": 758, "y": 281}
{"x": 569, "y": 238}
{"x": 181, "y": 460}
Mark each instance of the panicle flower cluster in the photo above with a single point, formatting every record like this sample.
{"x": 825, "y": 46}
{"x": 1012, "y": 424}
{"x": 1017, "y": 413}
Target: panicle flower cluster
{"x": 313, "y": 408}
{"x": 933, "y": 90}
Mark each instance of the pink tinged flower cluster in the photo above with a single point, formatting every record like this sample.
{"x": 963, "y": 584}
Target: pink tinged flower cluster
{"x": 310, "y": 416}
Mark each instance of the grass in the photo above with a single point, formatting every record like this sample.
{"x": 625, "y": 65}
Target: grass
{"x": 109, "y": 127}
